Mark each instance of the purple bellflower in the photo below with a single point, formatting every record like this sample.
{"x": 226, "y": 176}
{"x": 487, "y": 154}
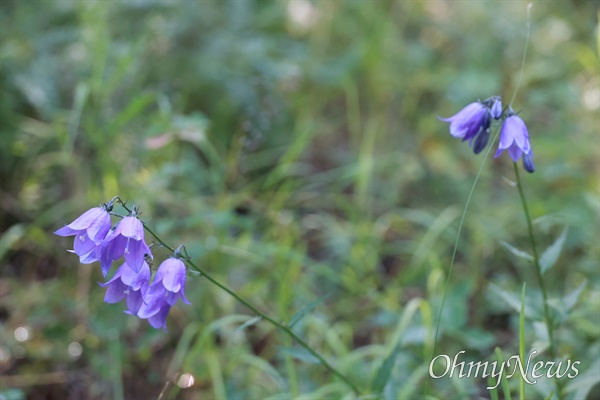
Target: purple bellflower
{"x": 128, "y": 284}
{"x": 89, "y": 231}
{"x": 473, "y": 122}
{"x": 515, "y": 138}
{"x": 168, "y": 286}
{"x": 127, "y": 239}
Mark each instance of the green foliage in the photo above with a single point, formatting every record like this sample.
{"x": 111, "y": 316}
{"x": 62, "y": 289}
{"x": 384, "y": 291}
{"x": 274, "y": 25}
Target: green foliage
{"x": 293, "y": 147}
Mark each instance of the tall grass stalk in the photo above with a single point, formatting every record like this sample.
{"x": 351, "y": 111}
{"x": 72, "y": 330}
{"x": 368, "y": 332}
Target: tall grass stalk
{"x": 538, "y": 271}
{"x": 522, "y": 341}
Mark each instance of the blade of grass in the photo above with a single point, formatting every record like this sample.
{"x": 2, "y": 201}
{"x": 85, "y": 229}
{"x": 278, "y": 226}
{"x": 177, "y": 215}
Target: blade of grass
{"x": 522, "y": 342}
{"x": 503, "y": 382}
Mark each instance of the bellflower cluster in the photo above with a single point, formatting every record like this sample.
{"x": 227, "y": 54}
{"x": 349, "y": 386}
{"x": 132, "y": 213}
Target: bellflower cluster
{"x": 473, "y": 123}
{"x": 96, "y": 241}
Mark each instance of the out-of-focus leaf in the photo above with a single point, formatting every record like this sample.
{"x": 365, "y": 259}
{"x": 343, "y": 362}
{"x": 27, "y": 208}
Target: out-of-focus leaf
{"x": 265, "y": 367}
{"x": 566, "y": 304}
{"x": 10, "y": 237}
{"x": 581, "y": 385}
{"x": 306, "y": 309}
{"x": 515, "y": 251}
{"x": 246, "y": 324}
{"x": 571, "y": 299}
{"x": 549, "y": 257}
{"x": 384, "y": 372}
{"x": 512, "y": 299}
{"x": 300, "y": 353}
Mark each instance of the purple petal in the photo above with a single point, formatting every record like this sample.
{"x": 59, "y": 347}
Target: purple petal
{"x": 159, "y": 320}
{"x": 134, "y": 301}
{"x": 88, "y": 218}
{"x": 172, "y": 274}
{"x": 134, "y": 253}
{"x": 83, "y": 245}
{"x": 89, "y": 257}
{"x": 520, "y": 133}
{"x": 66, "y": 231}
{"x": 528, "y": 163}
{"x": 148, "y": 310}
{"x": 515, "y": 152}
{"x": 466, "y": 123}
{"x": 136, "y": 279}
{"x": 183, "y": 298}
{"x": 153, "y": 297}
{"x": 114, "y": 249}
{"x": 116, "y": 292}
{"x": 132, "y": 227}
{"x": 171, "y": 298}
{"x": 497, "y": 109}
{"x": 99, "y": 228}
{"x": 506, "y": 138}
{"x": 117, "y": 276}
{"x": 105, "y": 266}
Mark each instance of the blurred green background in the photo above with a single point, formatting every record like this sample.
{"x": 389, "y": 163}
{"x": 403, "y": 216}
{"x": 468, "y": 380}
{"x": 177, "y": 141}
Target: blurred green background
{"x": 294, "y": 148}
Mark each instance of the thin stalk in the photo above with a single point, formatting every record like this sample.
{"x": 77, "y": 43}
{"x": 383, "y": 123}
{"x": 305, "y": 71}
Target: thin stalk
{"x": 280, "y": 325}
{"x": 538, "y": 271}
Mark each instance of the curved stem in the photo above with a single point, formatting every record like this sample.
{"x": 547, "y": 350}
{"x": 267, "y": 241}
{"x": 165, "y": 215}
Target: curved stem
{"x": 280, "y": 325}
{"x": 538, "y": 271}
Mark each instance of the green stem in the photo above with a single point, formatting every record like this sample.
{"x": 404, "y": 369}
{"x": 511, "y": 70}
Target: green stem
{"x": 280, "y": 325}
{"x": 538, "y": 271}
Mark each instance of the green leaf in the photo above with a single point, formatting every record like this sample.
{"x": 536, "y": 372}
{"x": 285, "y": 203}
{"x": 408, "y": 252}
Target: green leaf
{"x": 306, "y": 309}
{"x": 385, "y": 371}
{"x": 551, "y": 254}
{"x": 522, "y": 342}
{"x": 246, "y": 324}
{"x": 582, "y": 384}
{"x": 504, "y": 382}
{"x": 10, "y": 237}
{"x": 265, "y": 367}
{"x": 566, "y": 304}
{"x": 515, "y": 251}
{"x": 571, "y": 299}
{"x": 300, "y": 353}
{"x": 383, "y": 375}
{"x": 513, "y": 300}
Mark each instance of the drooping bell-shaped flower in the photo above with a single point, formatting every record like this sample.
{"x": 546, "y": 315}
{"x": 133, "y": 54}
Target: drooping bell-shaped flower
{"x": 129, "y": 285}
{"x": 473, "y": 122}
{"x": 515, "y": 138}
{"x": 89, "y": 231}
{"x": 528, "y": 162}
{"x": 127, "y": 239}
{"x": 168, "y": 286}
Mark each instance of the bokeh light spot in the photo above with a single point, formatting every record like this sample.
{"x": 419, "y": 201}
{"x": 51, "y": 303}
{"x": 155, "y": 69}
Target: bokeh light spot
{"x": 185, "y": 381}
{"x": 21, "y": 334}
{"x": 75, "y": 349}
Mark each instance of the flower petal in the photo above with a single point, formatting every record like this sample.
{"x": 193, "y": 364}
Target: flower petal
{"x": 134, "y": 301}
{"x": 87, "y": 218}
{"x": 134, "y": 255}
{"x": 515, "y": 152}
{"x": 172, "y": 274}
{"x": 159, "y": 320}
{"x": 132, "y": 227}
{"x": 66, "y": 231}
{"x": 83, "y": 245}
{"x": 116, "y": 292}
